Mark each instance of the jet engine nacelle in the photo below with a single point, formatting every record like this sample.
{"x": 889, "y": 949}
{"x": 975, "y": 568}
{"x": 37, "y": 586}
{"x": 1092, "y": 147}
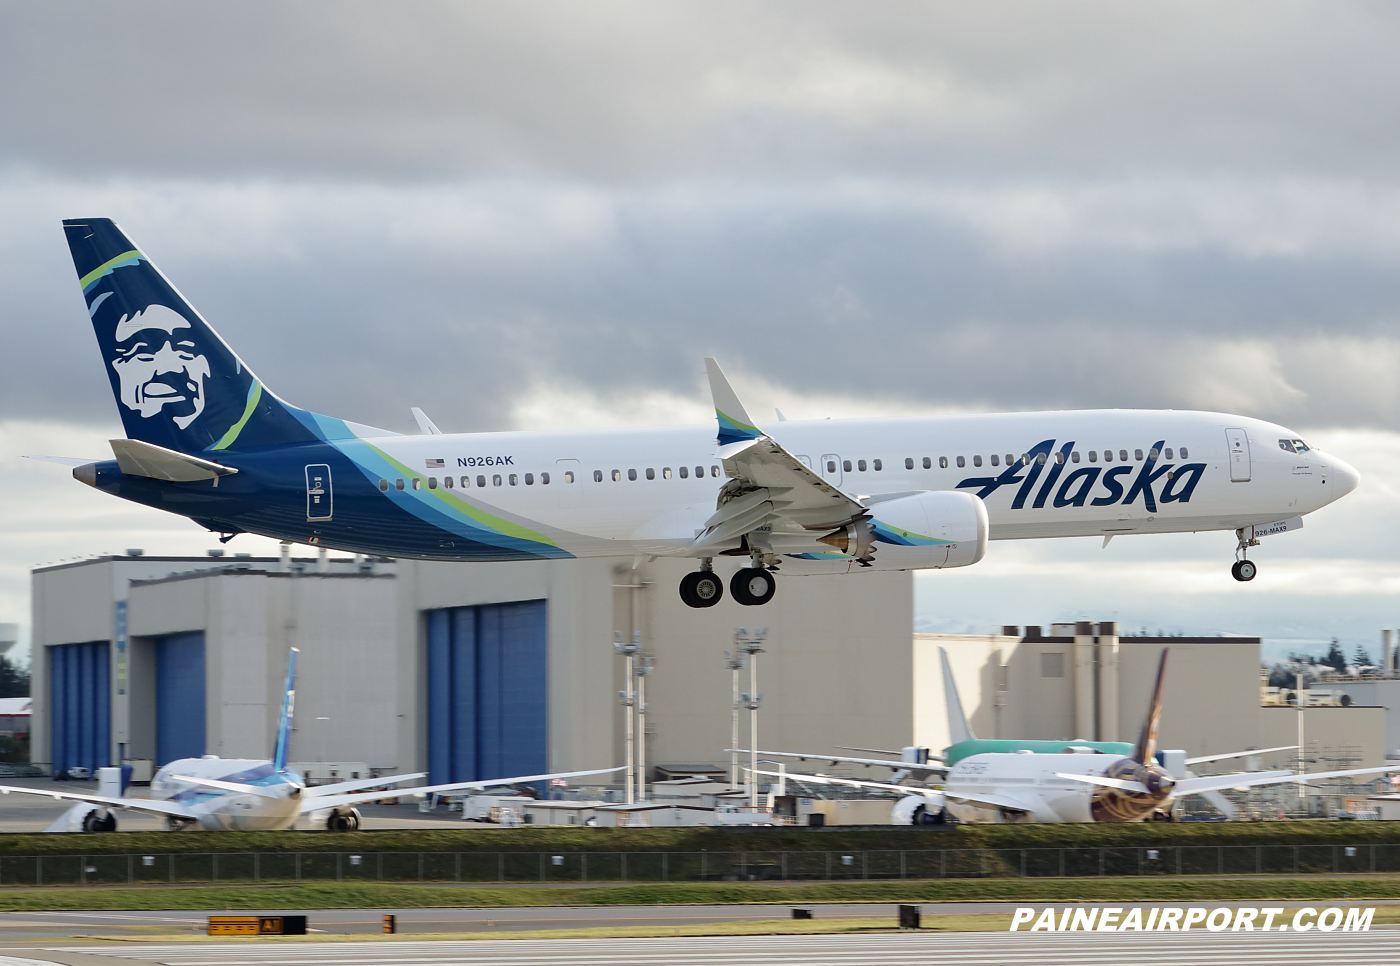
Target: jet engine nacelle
{"x": 934, "y": 529}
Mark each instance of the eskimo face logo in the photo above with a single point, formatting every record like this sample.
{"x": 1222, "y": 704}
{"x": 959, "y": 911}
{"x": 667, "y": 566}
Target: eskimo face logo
{"x": 160, "y": 366}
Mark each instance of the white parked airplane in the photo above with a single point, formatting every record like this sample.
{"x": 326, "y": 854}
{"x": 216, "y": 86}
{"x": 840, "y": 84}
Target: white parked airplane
{"x": 248, "y": 795}
{"x": 1092, "y": 786}
{"x": 208, "y": 440}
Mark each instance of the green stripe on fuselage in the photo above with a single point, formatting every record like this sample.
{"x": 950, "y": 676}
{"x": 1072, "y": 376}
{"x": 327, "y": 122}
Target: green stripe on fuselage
{"x": 1009, "y": 746}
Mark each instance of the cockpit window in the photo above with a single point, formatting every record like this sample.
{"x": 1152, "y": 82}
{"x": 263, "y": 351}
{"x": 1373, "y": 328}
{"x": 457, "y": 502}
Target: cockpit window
{"x": 1293, "y": 445}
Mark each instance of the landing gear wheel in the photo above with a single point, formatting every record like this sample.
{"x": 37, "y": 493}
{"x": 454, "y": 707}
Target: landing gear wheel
{"x": 348, "y": 821}
{"x": 1243, "y": 570}
{"x": 92, "y": 822}
{"x": 752, "y": 586}
{"x": 702, "y": 589}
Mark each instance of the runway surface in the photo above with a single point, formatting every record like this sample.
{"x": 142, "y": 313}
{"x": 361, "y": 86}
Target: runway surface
{"x": 1196, "y": 948}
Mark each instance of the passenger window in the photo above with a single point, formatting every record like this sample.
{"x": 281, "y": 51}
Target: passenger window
{"x": 617, "y": 476}
{"x": 996, "y": 460}
{"x": 1108, "y": 456}
{"x": 1010, "y": 459}
{"x": 398, "y": 484}
{"x": 529, "y": 479}
{"x": 481, "y": 481}
{"x": 860, "y": 465}
{"x": 665, "y": 472}
{"x": 714, "y": 471}
{"x": 496, "y": 480}
{"x": 1184, "y": 455}
{"x": 1040, "y": 458}
{"x": 544, "y": 478}
{"x": 942, "y": 462}
{"x": 699, "y": 472}
{"x": 384, "y": 486}
{"x": 1123, "y": 455}
{"x": 961, "y": 462}
{"x": 514, "y": 480}
{"x": 432, "y": 482}
{"x": 1169, "y": 452}
{"x": 685, "y": 472}
{"x": 1074, "y": 457}
{"x": 632, "y": 475}
{"x": 651, "y": 473}
{"x": 928, "y": 464}
{"x": 909, "y": 463}
{"x": 846, "y": 465}
{"x": 1093, "y": 456}
{"x": 976, "y": 461}
{"x": 878, "y": 465}
{"x": 1060, "y": 458}
{"x": 1154, "y": 453}
{"x": 447, "y": 482}
{"x": 597, "y": 476}
{"x": 1137, "y": 455}
{"x": 831, "y": 466}
{"x": 417, "y": 483}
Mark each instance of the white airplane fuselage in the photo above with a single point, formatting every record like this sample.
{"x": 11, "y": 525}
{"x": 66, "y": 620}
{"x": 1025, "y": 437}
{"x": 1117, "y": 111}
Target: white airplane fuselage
{"x": 1029, "y": 786}
{"x": 226, "y": 810}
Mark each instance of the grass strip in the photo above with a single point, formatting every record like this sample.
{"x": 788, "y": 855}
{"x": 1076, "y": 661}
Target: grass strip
{"x": 370, "y": 895}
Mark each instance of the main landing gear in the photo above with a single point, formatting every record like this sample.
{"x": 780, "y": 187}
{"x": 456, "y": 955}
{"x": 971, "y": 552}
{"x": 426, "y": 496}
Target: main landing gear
{"x": 751, "y": 586}
{"x": 1244, "y": 568}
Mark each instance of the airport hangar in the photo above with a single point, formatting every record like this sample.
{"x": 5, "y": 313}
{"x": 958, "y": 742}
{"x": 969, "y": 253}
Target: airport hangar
{"x": 472, "y": 671}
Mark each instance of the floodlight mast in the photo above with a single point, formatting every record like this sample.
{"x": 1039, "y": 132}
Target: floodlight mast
{"x": 643, "y": 668}
{"x": 735, "y": 663}
{"x": 752, "y": 645}
{"x": 628, "y": 699}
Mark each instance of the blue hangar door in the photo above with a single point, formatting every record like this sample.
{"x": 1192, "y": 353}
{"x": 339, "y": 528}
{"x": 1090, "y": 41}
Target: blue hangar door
{"x": 488, "y": 699}
{"x": 80, "y": 699}
{"x": 179, "y": 696}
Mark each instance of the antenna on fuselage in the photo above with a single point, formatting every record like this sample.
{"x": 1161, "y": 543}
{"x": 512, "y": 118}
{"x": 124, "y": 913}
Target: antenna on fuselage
{"x": 1146, "y": 745}
{"x": 289, "y": 700}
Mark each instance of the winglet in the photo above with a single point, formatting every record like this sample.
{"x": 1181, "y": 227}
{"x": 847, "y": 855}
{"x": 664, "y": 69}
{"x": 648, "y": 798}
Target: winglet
{"x": 735, "y": 426}
{"x": 289, "y": 700}
{"x": 958, "y": 728}
{"x": 1146, "y": 745}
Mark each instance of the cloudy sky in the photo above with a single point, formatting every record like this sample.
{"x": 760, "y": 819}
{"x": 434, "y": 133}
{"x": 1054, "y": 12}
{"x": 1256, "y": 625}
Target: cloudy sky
{"x": 536, "y": 215}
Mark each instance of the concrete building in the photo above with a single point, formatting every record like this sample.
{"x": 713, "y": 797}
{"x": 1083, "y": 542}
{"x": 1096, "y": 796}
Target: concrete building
{"x": 461, "y": 670}
{"x": 1084, "y": 681}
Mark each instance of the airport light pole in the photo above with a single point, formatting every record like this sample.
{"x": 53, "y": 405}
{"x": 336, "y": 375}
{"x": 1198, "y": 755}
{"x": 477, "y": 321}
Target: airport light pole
{"x": 642, "y": 669}
{"x": 628, "y": 698}
{"x": 752, "y": 645}
{"x": 735, "y": 663}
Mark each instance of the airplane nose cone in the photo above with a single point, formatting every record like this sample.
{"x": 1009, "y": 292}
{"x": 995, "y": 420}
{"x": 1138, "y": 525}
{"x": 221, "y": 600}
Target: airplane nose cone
{"x": 1343, "y": 475}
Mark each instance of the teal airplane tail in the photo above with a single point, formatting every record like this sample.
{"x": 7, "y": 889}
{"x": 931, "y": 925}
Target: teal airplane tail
{"x": 289, "y": 700}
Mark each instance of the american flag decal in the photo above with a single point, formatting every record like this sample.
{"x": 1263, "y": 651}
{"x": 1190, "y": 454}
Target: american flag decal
{"x": 434, "y": 464}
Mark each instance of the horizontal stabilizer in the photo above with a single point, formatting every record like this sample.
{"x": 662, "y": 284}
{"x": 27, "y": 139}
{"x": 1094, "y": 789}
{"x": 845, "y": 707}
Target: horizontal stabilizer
{"x": 158, "y": 463}
{"x": 340, "y": 788}
{"x": 425, "y": 425}
{"x": 1122, "y": 784}
{"x": 262, "y": 791}
{"x": 62, "y": 460}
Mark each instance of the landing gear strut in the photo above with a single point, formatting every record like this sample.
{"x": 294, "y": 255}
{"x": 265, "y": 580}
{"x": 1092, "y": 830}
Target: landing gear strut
{"x": 1244, "y": 568}
{"x": 702, "y": 588}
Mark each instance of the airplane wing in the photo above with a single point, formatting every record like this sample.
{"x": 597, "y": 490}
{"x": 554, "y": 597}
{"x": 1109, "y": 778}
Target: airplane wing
{"x": 867, "y": 762}
{"x": 153, "y": 806}
{"x": 1215, "y": 782}
{"x": 851, "y": 782}
{"x": 338, "y": 788}
{"x": 333, "y": 801}
{"x": 1239, "y": 754}
{"x": 769, "y": 486}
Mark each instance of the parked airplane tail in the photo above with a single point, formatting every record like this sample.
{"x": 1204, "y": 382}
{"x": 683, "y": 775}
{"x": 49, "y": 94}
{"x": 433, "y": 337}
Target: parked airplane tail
{"x": 1146, "y": 746}
{"x": 178, "y": 385}
{"x": 958, "y": 728}
{"x": 289, "y": 700}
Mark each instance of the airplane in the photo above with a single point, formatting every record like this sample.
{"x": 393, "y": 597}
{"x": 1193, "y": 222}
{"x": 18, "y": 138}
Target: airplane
{"x": 208, "y": 440}
{"x": 1092, "y": 786}
{"x": 915, "y": 761}
{"x": 247, "y": 795}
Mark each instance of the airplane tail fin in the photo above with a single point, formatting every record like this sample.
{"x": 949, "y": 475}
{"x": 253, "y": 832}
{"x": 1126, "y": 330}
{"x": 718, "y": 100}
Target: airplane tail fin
{"x": 958, "y": 728}
{"x": 735, "y": 425}
{"x": 289, "y": 700}
{"x": 178, "y": 385}
{"x": 1146, "y": 745}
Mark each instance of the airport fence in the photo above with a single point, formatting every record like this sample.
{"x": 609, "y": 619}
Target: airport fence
{"x": 563, "y": 868}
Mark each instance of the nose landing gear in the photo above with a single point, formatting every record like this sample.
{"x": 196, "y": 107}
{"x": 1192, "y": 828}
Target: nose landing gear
{"x": 1244, "y": 568}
